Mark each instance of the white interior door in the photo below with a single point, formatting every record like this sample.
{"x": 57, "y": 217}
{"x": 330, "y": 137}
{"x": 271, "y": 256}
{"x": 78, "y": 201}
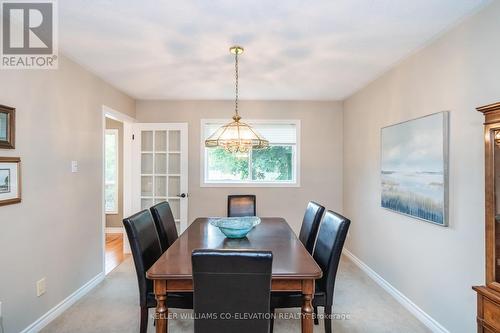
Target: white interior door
{"x": 160, "y": 168}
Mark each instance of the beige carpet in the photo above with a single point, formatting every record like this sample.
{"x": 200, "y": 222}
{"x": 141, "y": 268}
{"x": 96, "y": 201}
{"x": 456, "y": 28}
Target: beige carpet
{"x": 113, "y": 307}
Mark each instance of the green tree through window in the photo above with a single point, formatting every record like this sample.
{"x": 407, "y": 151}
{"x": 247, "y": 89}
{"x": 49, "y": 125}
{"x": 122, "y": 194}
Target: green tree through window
{"x": 273, "y": 164}
{"x": 223, "y": 165}
{"x": 276, "y": 164}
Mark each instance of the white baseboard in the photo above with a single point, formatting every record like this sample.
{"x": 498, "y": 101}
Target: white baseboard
{"x": 427, "y": 320}
{"x": 64, "y": 305}
{"x": 114, "y": 230}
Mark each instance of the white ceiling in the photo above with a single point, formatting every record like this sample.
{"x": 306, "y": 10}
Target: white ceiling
{"x": 294, "y": 49}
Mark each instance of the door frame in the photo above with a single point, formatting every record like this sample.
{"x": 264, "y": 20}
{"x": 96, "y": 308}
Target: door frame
{"x": 184, "y": 149}
{"x": 127, "y": 122}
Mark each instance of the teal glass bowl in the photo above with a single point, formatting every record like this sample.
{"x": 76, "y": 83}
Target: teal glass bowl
{"x": 235, "y": 227}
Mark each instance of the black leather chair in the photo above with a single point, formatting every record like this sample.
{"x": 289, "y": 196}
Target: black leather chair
{"x": 165, "y": 224}
{"x": 310, "y": 225}
{"x": 145, "y": 246}
{"x": 331, "y": 238}
{"x": 228, "y": 283}
{"x": 241, "y": 205}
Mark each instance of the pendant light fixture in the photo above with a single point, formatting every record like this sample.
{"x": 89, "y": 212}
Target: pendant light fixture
{"x": 236, "y": 136}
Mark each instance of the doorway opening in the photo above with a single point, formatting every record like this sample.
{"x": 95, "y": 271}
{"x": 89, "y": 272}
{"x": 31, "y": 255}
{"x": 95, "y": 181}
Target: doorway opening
{"x": 116, "y": 186}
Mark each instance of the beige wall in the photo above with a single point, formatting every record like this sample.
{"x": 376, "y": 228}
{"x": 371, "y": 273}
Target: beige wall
{"x": 321, "y": 154}
{"x": 56, "y": 231}
{"x": 115, "y": 220}
{"x": 433, "y": 266}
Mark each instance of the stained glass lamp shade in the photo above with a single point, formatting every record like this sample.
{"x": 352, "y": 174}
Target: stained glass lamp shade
{"x": 236, "y": 137}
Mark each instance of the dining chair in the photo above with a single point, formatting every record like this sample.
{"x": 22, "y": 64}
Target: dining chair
{"x": 228, "y": 283}
{"x": 329, "y": 244}
{"x": 165, "y": 224}
{"x": 146, "y": 250}
{"x": 310, "y": 225}
{"x": 241, "y": 205}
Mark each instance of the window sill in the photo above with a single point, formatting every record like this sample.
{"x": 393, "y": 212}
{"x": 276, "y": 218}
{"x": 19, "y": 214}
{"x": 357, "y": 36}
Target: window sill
{"x": 222, "y": 184}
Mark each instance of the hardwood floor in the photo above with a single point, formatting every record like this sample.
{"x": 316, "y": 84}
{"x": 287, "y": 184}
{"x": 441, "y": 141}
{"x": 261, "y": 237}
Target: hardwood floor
{"x": 114, "y": 251}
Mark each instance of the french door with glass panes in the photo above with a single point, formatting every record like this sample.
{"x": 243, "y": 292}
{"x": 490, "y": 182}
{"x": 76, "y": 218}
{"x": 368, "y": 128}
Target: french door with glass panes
{"x": 160, "y": 168}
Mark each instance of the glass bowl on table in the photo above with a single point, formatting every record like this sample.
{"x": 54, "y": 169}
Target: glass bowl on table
{"x": 235, "y": 227}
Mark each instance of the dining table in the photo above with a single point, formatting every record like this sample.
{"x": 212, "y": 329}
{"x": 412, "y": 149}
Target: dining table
{"x": 293, "y": 268}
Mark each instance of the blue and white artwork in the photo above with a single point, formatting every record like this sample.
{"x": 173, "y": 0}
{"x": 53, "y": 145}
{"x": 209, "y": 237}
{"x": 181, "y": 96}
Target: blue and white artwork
{"x": 4, "y": 180}
{"x": 3, "y": 126}
{"x": 414, "y": 168}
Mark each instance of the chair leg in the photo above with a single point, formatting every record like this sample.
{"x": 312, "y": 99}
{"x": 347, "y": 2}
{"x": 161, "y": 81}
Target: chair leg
{"x": 144, "y": 319}
{"x": 327, "y": 316}
{"x": 271, "y": 323}
{"x": 316, "y": 321}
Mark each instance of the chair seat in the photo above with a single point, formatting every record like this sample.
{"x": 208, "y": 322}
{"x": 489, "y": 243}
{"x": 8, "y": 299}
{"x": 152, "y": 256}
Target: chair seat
{"x": 294, "y": 299}
{"x": 182, "y": 300}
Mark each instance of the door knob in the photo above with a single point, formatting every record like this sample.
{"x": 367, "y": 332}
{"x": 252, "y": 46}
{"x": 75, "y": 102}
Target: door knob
{"x": 182, "y": 195}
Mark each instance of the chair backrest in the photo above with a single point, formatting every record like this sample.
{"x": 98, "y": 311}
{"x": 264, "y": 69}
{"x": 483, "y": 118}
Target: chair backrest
{"x": 145, "y": 246}
{"x": 310, "y": 225}
{"x": 241, "y": 205}
{"x": 329, "y": 244}
{"x": 165, "y": 224}
{"x": 228, "y": 283}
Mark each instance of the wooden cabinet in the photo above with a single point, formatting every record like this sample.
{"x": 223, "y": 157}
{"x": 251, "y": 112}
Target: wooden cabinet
{"x": 488, "y": 296}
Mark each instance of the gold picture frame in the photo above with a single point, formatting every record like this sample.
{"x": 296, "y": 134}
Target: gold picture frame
{"x": 10, "y": 180}
{"x": 7, "y": 127}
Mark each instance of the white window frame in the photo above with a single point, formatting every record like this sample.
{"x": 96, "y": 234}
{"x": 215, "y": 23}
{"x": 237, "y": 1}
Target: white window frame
{"x": 249, "y": 183}
{"x": 115, "y": 132}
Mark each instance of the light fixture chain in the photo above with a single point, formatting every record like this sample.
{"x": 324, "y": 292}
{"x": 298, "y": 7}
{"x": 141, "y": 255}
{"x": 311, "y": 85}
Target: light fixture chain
{"x": 236, "y": 86}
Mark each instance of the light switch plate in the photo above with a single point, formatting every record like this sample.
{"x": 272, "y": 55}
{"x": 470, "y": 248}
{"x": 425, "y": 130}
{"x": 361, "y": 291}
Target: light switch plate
{"x": 40, "y": 287}
{"x": 74, "y": 166}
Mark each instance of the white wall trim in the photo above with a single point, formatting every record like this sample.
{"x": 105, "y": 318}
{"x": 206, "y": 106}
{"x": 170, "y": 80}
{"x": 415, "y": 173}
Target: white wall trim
{"x": 63, "y": 305}
{"x": 427, "y": 320}
{"x": 114, "y": 230}
{"x": 117, "y": 115}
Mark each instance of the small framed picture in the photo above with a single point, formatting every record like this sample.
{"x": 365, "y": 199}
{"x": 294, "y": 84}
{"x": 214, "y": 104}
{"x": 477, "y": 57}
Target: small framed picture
{"x": 7, "y": 127}
{"x": 10, "y": 180}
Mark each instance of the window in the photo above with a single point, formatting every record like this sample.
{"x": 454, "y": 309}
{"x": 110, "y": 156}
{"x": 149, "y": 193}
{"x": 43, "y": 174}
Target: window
{"x": 111, "y": 171}
{"x": 275, "y": 166}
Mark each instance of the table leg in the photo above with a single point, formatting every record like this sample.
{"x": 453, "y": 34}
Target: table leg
{"x": 160, "y": 287}
{"x": 307, "y": 307}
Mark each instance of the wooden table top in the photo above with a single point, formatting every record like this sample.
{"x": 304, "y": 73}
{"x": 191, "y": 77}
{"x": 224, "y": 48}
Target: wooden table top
{"x": 290, "y": 258}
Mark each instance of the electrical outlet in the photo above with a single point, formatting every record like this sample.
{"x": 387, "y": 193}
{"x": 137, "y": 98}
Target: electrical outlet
{"x": 0, "y": 310}
{"x": 40, "y": 287}
{"x": 74, "y": 166}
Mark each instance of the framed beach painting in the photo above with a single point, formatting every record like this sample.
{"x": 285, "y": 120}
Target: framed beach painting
{"x": 414, "y": 168}
{"x": 10, "y": 180}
